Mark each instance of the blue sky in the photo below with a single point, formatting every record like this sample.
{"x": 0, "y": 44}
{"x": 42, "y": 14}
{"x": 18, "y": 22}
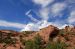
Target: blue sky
{"x": 35, "y": 14}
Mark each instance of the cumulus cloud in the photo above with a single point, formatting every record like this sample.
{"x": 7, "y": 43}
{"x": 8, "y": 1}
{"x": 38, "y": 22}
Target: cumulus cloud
{"x": 71, "y": 18}
{"x": 57, "y": 8}
{"x": 11, "y": 24}
{"x": 43, "y": 3}
{"x": 37, "y": 26}
{"x": 30, "y": 27}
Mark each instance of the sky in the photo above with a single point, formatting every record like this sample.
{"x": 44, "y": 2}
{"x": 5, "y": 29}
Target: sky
{"x": 32, "y": 15}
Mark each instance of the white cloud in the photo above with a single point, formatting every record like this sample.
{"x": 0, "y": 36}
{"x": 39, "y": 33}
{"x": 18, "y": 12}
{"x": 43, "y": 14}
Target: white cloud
{"x": 71, "y": 18}
{"x": 43, "y": 3}
{"x": 57, "y": 8}
{"x": 36, "y": 27}
{"x": 30, "y": 16}
{"x": 70, "y": 1}
{"x": 58, "y": 24}
{"x": 44, "y": 12}
{"x": 11, "y": 24}
{"x": 63, "y": 26}
{"x": 44, "y": 24}
{"x": 30, "y": 27}
{"x": 40, "y": 25}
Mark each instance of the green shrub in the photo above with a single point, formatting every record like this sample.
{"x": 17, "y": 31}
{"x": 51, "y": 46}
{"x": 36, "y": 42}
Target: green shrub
{"x": 34, "y": 44}
{"x": 29, "y": 44}
{"x": 38, "y": 42}
{"x": 57, "y": 45}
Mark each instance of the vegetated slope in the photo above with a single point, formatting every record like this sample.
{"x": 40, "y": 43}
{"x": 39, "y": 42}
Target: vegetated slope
{"x": 50, "y": 37}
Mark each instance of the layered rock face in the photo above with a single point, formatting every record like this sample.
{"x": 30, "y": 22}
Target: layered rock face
{"x": 48, "y": 32}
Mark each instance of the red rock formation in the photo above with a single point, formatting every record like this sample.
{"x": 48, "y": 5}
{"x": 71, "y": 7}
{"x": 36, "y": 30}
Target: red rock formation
{"x": 48, "y": 32}
{"x": 45, "y": 34}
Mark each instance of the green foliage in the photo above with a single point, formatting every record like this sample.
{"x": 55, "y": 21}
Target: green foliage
{"x": 29, "y": 44}
{"x": 38, "y": 42}
{"x": 38, "y": 39}
{"x": 35, "y": 44}
{"x": 57, "y": 45}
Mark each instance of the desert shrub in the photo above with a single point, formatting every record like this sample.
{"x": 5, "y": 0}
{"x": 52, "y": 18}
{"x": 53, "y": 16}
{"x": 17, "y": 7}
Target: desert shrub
{"x": 29, "y": 44}
{"x": 38, "y": 39}
{"x": 38, "y": 42}
{"x": 34, "y": 44}
{"x": 7, "y": 39}
{"x": 57, "y": 45}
